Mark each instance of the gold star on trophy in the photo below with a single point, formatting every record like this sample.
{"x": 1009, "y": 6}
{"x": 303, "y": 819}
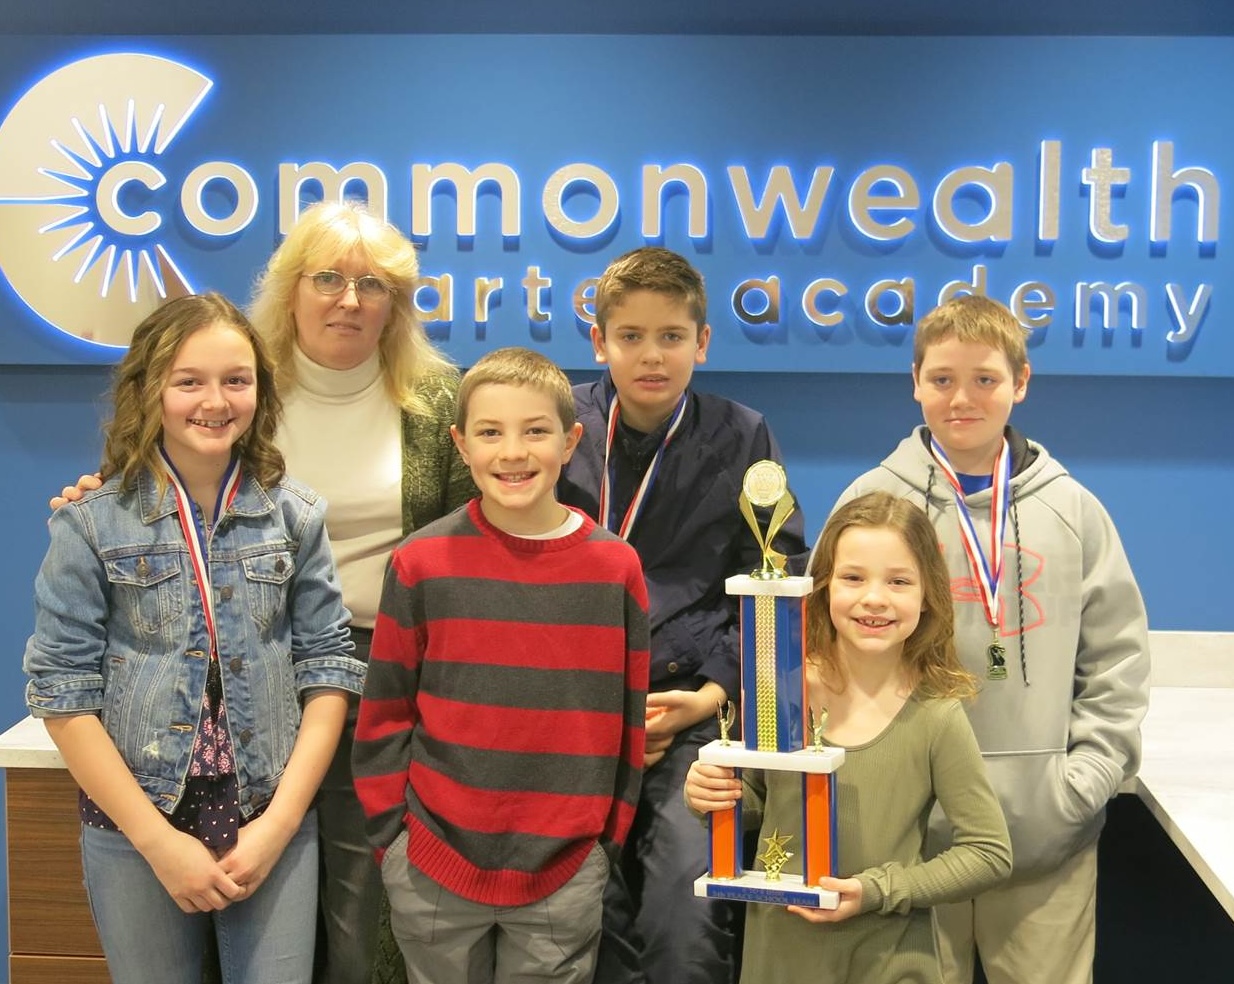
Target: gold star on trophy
{"x": 775, "y": 857}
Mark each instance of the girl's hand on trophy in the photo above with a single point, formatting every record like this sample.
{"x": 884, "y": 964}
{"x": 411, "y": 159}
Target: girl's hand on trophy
{"x": 711, "y": 787}
{"x": 850, "y": 902}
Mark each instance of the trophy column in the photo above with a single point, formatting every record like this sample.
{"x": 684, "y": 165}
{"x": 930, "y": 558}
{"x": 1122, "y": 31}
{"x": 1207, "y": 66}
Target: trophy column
{"x": 774, "y": 712}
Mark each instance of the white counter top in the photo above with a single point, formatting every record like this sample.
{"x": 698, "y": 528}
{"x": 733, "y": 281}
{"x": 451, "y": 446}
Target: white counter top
{"x": 27, "y": 745}
{"x": 1186, "y": 778}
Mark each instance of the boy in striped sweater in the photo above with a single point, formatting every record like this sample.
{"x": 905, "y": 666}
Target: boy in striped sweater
{"x": 499, "y": 746}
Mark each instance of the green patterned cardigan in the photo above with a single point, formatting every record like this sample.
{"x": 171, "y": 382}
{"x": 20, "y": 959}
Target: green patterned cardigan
{"x": 435, "y": 479}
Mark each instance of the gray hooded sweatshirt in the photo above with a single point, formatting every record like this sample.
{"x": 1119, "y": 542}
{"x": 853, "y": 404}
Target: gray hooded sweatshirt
{"x": 1062, "y": 731}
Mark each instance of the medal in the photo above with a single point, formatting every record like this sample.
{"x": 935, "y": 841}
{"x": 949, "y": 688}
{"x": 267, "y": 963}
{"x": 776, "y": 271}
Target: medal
{"x": 996, "y": 661}
{"x": 987, "y": 568}
{"x": 607, "y": 480}
{"x": 196, "y": 531}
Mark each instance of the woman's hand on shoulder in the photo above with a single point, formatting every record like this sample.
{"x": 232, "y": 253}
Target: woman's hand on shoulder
{"x": 73, "y": 493}
{"x": 849, "y": 890}
{"x": 191, "y": 873}
{"x": 711, "y": 787}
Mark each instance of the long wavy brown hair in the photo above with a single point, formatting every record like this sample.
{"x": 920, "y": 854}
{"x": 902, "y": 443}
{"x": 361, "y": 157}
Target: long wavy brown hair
{"x": 929, "y": 658}
{"x": 131, "y": 439}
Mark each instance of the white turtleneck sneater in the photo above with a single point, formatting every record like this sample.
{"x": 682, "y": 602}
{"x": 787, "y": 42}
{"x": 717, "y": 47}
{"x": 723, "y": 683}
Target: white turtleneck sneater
{"x": 342, "y": 437}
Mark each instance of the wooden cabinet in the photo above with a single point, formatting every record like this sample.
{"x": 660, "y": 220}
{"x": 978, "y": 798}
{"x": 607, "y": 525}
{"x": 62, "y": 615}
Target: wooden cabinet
{"x": 51, "y": 935}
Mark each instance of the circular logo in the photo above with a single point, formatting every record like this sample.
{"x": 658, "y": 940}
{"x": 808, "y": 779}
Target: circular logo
{"x": 765, "y": 483}
{"x": 74, "y": 244}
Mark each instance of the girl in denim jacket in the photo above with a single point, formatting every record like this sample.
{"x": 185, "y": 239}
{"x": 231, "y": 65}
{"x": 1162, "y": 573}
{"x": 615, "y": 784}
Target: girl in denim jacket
{"x": 191, "y": 661}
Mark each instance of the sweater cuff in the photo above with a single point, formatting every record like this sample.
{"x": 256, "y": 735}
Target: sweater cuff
{"x": 871, "y": 894}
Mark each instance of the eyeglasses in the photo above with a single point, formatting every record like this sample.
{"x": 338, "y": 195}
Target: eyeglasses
{"x": 331, "y": 282}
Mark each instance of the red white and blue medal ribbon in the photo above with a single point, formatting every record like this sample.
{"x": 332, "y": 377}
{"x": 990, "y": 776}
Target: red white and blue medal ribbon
{"x": 649, "y": 476}
{"x": 987, "y": 568}
{"x": 197, "y": 533}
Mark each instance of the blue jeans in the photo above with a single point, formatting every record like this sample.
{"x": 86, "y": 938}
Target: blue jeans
{"x": 147, "y": 939}
{"x": 655, "y": 929}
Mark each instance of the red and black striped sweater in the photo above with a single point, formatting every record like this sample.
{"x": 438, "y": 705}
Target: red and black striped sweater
{"x": 502, "y": 718}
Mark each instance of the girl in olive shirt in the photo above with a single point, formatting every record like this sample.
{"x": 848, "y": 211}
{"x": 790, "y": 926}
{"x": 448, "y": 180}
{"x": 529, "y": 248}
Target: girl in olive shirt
{"x": 882, "y": 665}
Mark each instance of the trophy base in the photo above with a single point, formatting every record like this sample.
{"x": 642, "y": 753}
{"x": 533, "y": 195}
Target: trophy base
{"x": 753, "y": 886}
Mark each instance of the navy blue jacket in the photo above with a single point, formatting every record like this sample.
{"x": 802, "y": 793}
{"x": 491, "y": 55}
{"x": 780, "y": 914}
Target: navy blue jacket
{"x": 691, "y": 534}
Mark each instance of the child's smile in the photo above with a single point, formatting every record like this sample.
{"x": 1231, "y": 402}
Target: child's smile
{"x": 875, "y": 593}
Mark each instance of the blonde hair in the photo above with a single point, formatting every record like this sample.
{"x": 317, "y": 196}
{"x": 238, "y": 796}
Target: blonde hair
{"x": 324, "y": 234}
{"x": 517, "y": 367}
{"x": 132, "y": 438}
{"x": 974, "y": 318}
{"x": 929, "y": 657}
{"x": 651, "y": 268}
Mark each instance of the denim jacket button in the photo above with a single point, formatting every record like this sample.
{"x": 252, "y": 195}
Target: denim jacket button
{"x": 246, "y": 736}
{"x": 195, "y": 653}
{"x": 236, "y": 664}
{"x": 225, "y": 592}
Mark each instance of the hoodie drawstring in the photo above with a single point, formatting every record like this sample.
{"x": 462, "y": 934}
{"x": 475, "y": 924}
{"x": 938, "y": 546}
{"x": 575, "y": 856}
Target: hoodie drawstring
{"x": 1019, "y": 586}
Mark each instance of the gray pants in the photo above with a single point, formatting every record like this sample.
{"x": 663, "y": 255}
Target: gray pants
{"x": 350, "y": 881}
{"x": 446, "y": 939}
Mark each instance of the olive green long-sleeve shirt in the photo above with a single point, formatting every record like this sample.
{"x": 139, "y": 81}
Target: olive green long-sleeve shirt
{"x": 886, "y": 791}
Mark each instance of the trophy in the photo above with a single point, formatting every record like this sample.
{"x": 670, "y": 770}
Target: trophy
{"x": 779, "y": 732}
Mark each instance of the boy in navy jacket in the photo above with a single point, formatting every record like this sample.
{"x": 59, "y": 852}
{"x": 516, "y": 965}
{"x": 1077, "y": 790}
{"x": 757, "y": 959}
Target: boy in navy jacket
{"x": 662, "y": 465}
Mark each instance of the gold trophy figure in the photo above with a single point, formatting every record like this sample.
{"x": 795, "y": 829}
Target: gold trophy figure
{"x": 818, "y": 724}
{"x": 765, "y": 485}
{"x": 726, "y": 714}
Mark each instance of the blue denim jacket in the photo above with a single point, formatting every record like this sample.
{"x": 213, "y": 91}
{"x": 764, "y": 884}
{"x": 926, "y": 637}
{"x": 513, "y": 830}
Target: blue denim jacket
{"x": 120, "y": 629}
